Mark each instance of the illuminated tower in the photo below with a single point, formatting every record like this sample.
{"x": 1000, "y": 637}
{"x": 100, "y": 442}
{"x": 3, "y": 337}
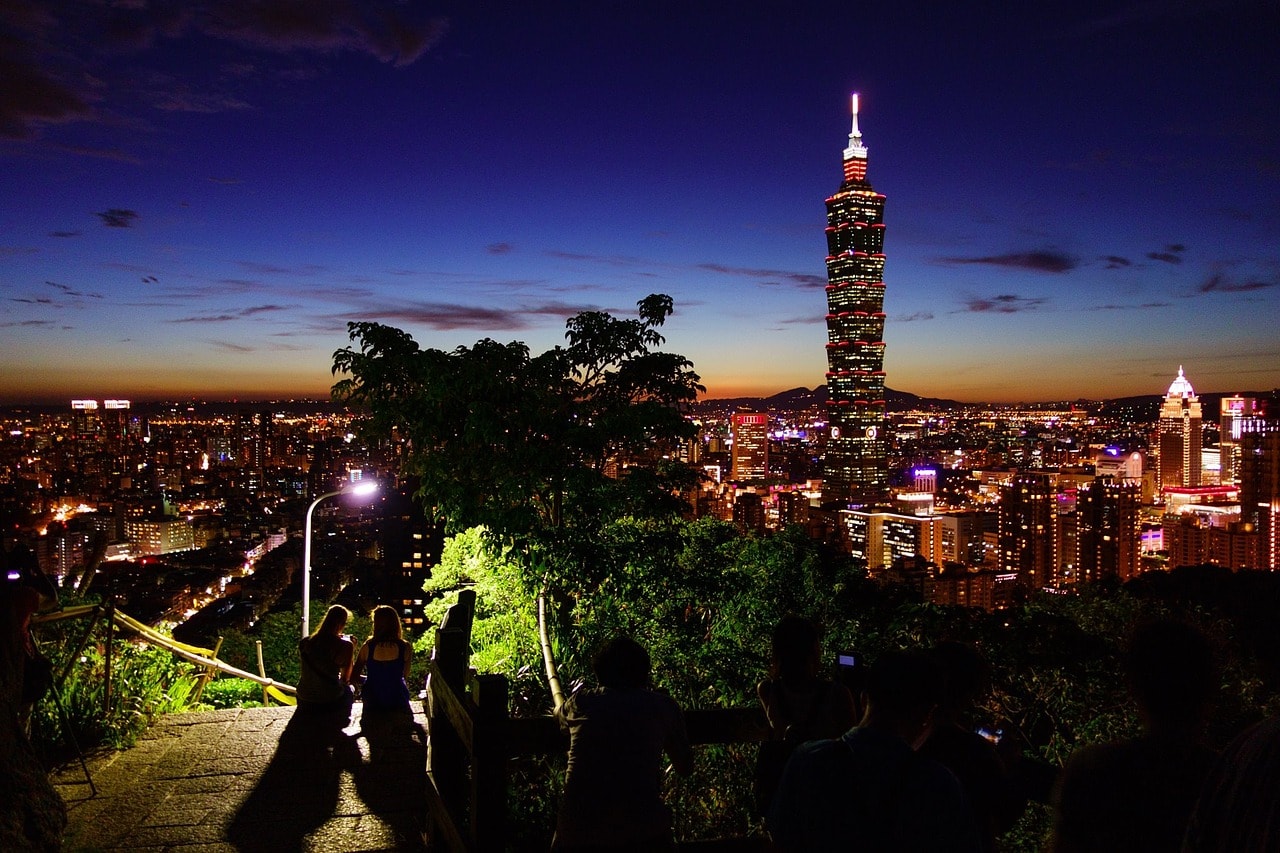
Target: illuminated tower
{"x": 854, "y": 467}
{"x": 1180, "y": 436}
{"x": 750, "y": 459}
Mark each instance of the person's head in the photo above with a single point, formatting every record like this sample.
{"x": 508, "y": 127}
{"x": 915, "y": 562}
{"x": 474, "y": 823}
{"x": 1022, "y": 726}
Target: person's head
{"x": 335, "y": 619}
{"x": 966, "y": 678}
{"x": 621, "y": 662}
{"x": 796, "y": 651}
{"x": 386, "y": 625}
{"x": 1171, "y": 673}
{"x": 903, "y": 690}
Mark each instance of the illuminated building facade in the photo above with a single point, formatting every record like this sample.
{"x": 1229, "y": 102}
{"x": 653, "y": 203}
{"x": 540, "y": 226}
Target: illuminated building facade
{"x": 1108, "y": 530}
{"x": 1238, "y": 415}
{"x": 750, "y": 459}
{"x": 854, "y": 465}
{"x": 1029, "y": 530}
{"x": 1180, "y": 436}
{"x": 881, "y": 538}
{"x": 1259, "y": 476}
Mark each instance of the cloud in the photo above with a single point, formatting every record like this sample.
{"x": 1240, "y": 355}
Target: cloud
{"x": 262, "y": 309}
{"x": 1115, "y": 262}
{"x": 1218, "y": 283}
{"x": 767, "y": 276}
{"x": 34, "y": 97}
{"x": 64, "y": 233}
{"x": 911, "y": 318}
{"x": 444, "y": 317}
{"x": 232, "y": 347}
{"x": 226, "y": 182}
{"x": 499, "y": 248}
{"x": 1118, "y": 307}
{"x": 382, "y": 30}
{"x": 1005, "y": 303}
{"x": 114, "y": 154}
{"x": 211, "y": 318}
{"x": 118, "y": 217}
{"x": 12, "y": 324}
{"x": 57, "y": 59}
{"x": 1040, "y": 261}
{"x": 29, "y": 300}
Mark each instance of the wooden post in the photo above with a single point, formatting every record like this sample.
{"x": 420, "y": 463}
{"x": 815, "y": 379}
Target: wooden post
{"x": 447, "y": 754}
{"x": 207, "y": 675}
{"x": 491, "y": 772}
{"x": 262, "y": 670}
{"x": 106, "y": 679}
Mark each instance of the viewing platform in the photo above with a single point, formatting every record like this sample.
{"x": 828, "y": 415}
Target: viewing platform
{"x": 251, "y": 780}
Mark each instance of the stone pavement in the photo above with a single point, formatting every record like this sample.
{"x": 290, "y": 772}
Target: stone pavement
{"x": 254, "y": 779}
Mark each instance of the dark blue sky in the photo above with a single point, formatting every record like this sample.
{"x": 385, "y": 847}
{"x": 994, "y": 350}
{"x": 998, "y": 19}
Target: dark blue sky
{"x": 198, "y": 196}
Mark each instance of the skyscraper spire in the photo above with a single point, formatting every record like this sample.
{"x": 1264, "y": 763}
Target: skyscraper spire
{"x": 856, "y": 148}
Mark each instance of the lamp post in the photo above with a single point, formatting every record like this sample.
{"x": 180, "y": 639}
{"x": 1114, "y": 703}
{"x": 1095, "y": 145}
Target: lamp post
{"x": 363, "y": 488}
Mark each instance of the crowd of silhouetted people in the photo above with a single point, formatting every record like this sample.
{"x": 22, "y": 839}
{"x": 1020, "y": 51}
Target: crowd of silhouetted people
{"x": 895, "y": 756}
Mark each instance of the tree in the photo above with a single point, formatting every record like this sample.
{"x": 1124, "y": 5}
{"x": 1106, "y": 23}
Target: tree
{"x": 520, "y": 444}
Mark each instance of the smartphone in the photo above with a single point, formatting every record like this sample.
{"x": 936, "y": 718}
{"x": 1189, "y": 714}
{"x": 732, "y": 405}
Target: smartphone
{"x": 847, "y": 659}
{"x": 993, "y": 735}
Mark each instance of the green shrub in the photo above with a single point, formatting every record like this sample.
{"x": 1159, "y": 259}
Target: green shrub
{"x": 233, "y": 693}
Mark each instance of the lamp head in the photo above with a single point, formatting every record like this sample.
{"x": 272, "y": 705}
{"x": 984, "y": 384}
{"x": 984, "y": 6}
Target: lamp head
{"x": 364, "y": 487}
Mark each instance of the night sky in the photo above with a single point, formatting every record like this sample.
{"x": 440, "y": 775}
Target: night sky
{"x": 195, "y": 197}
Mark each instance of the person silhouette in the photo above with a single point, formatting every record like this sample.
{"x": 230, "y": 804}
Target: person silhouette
{"x": 1138, "y": 794}
{"x": 326, "y": 657}
{"x": 869, "y": 789}
{"x": 618, "y": 733}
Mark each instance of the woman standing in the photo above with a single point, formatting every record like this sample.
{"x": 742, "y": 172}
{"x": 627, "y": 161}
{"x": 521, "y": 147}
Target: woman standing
{"x": 385, "y": 658}
{"x": 324, "y": 682}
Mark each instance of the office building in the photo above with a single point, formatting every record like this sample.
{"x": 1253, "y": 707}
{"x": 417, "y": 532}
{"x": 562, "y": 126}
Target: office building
{"x": 750, "y": 459}
{"x": 854, "y": 464}
{"x": 1108, "y": 530}
{"x": 1029, "y": 530}
{"x": 1236, "y": 415}
{"x": 1180, "y": 436}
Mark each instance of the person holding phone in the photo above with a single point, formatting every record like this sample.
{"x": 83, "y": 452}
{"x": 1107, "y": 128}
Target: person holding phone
{"x": 326, "y": 657}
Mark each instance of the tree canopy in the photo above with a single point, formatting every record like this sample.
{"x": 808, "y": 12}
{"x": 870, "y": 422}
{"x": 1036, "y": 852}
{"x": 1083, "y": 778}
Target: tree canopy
{"x": 523, "y": 444}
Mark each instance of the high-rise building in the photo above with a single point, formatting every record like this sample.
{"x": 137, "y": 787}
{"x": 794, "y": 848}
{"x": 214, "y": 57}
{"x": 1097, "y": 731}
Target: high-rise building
{"x": 1178, "y": 465}
{"x": 1028, "y": 530}
{"x": 854, "y": 465}
{"x": 750, "y": 446}
{"x": 1237, "y": 414}
{"x": 1259, "y": 477}
{"x": 1108, "y": 530}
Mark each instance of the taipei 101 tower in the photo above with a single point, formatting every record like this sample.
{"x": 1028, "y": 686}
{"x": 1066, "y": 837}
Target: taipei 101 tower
{"x": 854, "y": 468}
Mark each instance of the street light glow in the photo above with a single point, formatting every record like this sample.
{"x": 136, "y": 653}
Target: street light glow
{"x": 364, "y": 487}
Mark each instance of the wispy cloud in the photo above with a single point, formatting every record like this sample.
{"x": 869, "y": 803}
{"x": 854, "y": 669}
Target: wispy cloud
{"x": 13, "y": 324}
{"x": 64, "y": 233}
{"x": 1005, "y": 303}
{"x": 1115, "y": 262}
{"x": 118, "y": 217}
{"x": 1172, "y": 254}
{"x": 1219, "y": 283}
{"x": 276, "y": 269}
{"x": 229, "y": 346}
{"x": 1039, "y": 261}
{"x": 1120, "y": 307}
{"x": 912, "y": 318}
{"x": 768, "y": 276}
{"x": 499, "y": 248}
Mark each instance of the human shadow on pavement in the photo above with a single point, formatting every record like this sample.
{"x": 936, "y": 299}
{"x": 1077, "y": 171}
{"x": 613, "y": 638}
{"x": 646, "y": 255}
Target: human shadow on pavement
{"x": 393, "y": 782}
{"x": 298, "y": 791}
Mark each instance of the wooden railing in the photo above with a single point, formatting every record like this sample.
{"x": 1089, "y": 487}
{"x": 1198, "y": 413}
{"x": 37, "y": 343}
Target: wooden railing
{"x": 473, "y": 740}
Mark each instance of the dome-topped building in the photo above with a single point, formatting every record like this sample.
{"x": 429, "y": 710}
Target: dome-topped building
{"x": 1181, "y": 387}
{"x": 1180, "y": 436}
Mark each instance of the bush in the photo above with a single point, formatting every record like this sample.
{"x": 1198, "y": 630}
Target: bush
{"x": 232, "y": 693}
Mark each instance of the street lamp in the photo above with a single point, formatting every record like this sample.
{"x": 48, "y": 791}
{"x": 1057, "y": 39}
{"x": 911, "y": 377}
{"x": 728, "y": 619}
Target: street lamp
{"x": 367, "y": 487}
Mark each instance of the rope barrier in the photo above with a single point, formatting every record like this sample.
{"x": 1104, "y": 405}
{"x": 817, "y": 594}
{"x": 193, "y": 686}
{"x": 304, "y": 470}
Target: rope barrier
{"x": 197, "y": 655}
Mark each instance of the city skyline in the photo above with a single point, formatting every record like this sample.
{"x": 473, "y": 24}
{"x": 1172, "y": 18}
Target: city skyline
{"x": 200, "y": 196}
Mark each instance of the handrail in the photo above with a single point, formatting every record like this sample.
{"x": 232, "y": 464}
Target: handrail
{"x": 193, "y": 654}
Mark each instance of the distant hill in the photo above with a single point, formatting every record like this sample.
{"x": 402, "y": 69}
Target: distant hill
{"x": 1142, "y": 407}
{"x": 803, "y": 398}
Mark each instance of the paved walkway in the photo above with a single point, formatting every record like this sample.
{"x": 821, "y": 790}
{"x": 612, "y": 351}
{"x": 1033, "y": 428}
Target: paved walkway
{"x": 255, "y": 779}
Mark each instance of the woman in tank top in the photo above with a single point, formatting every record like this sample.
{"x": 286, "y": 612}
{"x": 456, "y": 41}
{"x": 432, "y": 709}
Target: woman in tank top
{"x": 385, "y": 659}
